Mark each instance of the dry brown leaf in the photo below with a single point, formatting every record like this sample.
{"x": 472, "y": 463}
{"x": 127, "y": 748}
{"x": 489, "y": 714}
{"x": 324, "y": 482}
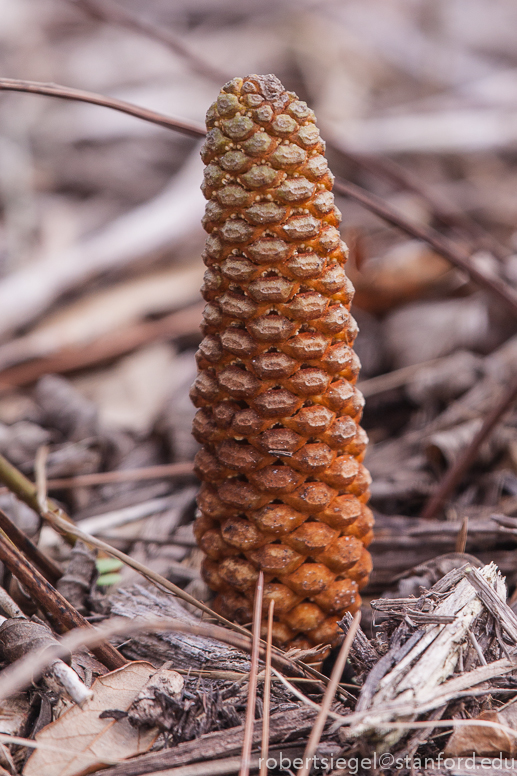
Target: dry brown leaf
{"x": 131, "y": 393}
{"x": 89, "y": 742}
{"x": 106, "y": 311}
{"x": 406, "y": 272}
{"x": 486, "y": 741}
{"x": 422, "y": 331}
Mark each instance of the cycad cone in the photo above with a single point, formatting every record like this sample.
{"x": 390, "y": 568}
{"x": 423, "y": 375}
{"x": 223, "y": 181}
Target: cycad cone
{"x": 284, "y": 489}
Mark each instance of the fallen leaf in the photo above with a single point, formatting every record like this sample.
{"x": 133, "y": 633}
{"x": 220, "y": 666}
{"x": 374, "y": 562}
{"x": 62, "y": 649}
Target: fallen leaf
{"x": 131, "y": 393}
{"x": 106, "y": 311}
{"x": 406, "y": 272}
{"x": 84, "y": 742}
{"x": 470, "y": 740}
{"x": 422, "y": 331}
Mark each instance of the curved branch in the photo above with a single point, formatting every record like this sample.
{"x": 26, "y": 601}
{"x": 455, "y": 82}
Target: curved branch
{"x": 441, "y": 244}
{"x": 66, "y": 93}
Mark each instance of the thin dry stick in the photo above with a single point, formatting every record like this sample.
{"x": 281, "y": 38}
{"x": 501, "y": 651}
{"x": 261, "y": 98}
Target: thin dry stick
{"x": 267, "y": 691}
{"x": 301, "y": 697}
{"x": 479, "y": 651}
{"x": 67, "y": 93}
{"x": 124, "y": 475}
{"x": 441, "y": 244}
{"x": 457, "y": 471}
{"x": 114, "y": 13}
{"x": 332, "y": 686}
{"x": 47, "y": 566}
{"x": 252, "y": 688}
{"x": 461, "y": 538}
{"x": 40, "y": 469}
{"x": 395, "y": 379}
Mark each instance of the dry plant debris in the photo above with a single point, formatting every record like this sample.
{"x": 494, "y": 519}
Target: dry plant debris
{"x": 100, "y": 263}
{"x": 100, "y": 732}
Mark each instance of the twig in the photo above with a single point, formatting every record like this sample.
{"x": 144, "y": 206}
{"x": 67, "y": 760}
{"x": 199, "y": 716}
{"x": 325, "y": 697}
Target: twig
{"x": 303, "y": 698}
{"x": 120, "y": 517}
{"x": 166, "y": 542}
{"x": 223, "y": 767}
{"x": 461, "y": 538}
{"x": 267, "y": 691}
{"x": 233, "y": 676}
{"x": 64, "y": 615}
{"x": 455, "y": 474}
{"x": 330, "y": 692}
{"x": 252, "y": 687}
{"x": 441, "y": 244}
{"x": 9, "y": 606}
{"x": 394, "y": 379}
{"x": 475, "y": 644}
{"x": 165, "y": 470}
{"x": 182, "y": 469}
{"x": 18, "y": 484}
{"x": 68, "y": 93}
{"x": 297, "y": 694}
{"x": 112, "y": 12}
{"x": 71, "y": 682}
{"x": 42, "y": 561}
{"x": 40, "y": 470}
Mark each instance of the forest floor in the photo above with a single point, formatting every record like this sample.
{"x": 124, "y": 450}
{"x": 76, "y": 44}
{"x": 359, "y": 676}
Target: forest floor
{"x": 100, "y": 270}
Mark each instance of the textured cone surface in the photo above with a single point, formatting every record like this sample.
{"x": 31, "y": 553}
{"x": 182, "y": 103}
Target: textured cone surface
{"x": 284, "y": 489}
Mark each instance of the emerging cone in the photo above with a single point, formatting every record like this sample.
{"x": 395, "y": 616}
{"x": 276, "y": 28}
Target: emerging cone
{"x": 284, "y": 489}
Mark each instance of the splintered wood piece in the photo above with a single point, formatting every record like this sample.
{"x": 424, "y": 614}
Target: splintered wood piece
{"x": 411, "y": 677}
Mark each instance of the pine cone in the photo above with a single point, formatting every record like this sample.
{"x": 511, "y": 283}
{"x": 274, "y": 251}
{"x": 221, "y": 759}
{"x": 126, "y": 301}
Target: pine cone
{"x": 284, "y": 489}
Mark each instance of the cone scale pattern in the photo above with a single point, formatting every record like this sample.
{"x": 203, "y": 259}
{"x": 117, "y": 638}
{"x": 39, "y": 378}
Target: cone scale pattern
{"x": 284, "y": 489}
